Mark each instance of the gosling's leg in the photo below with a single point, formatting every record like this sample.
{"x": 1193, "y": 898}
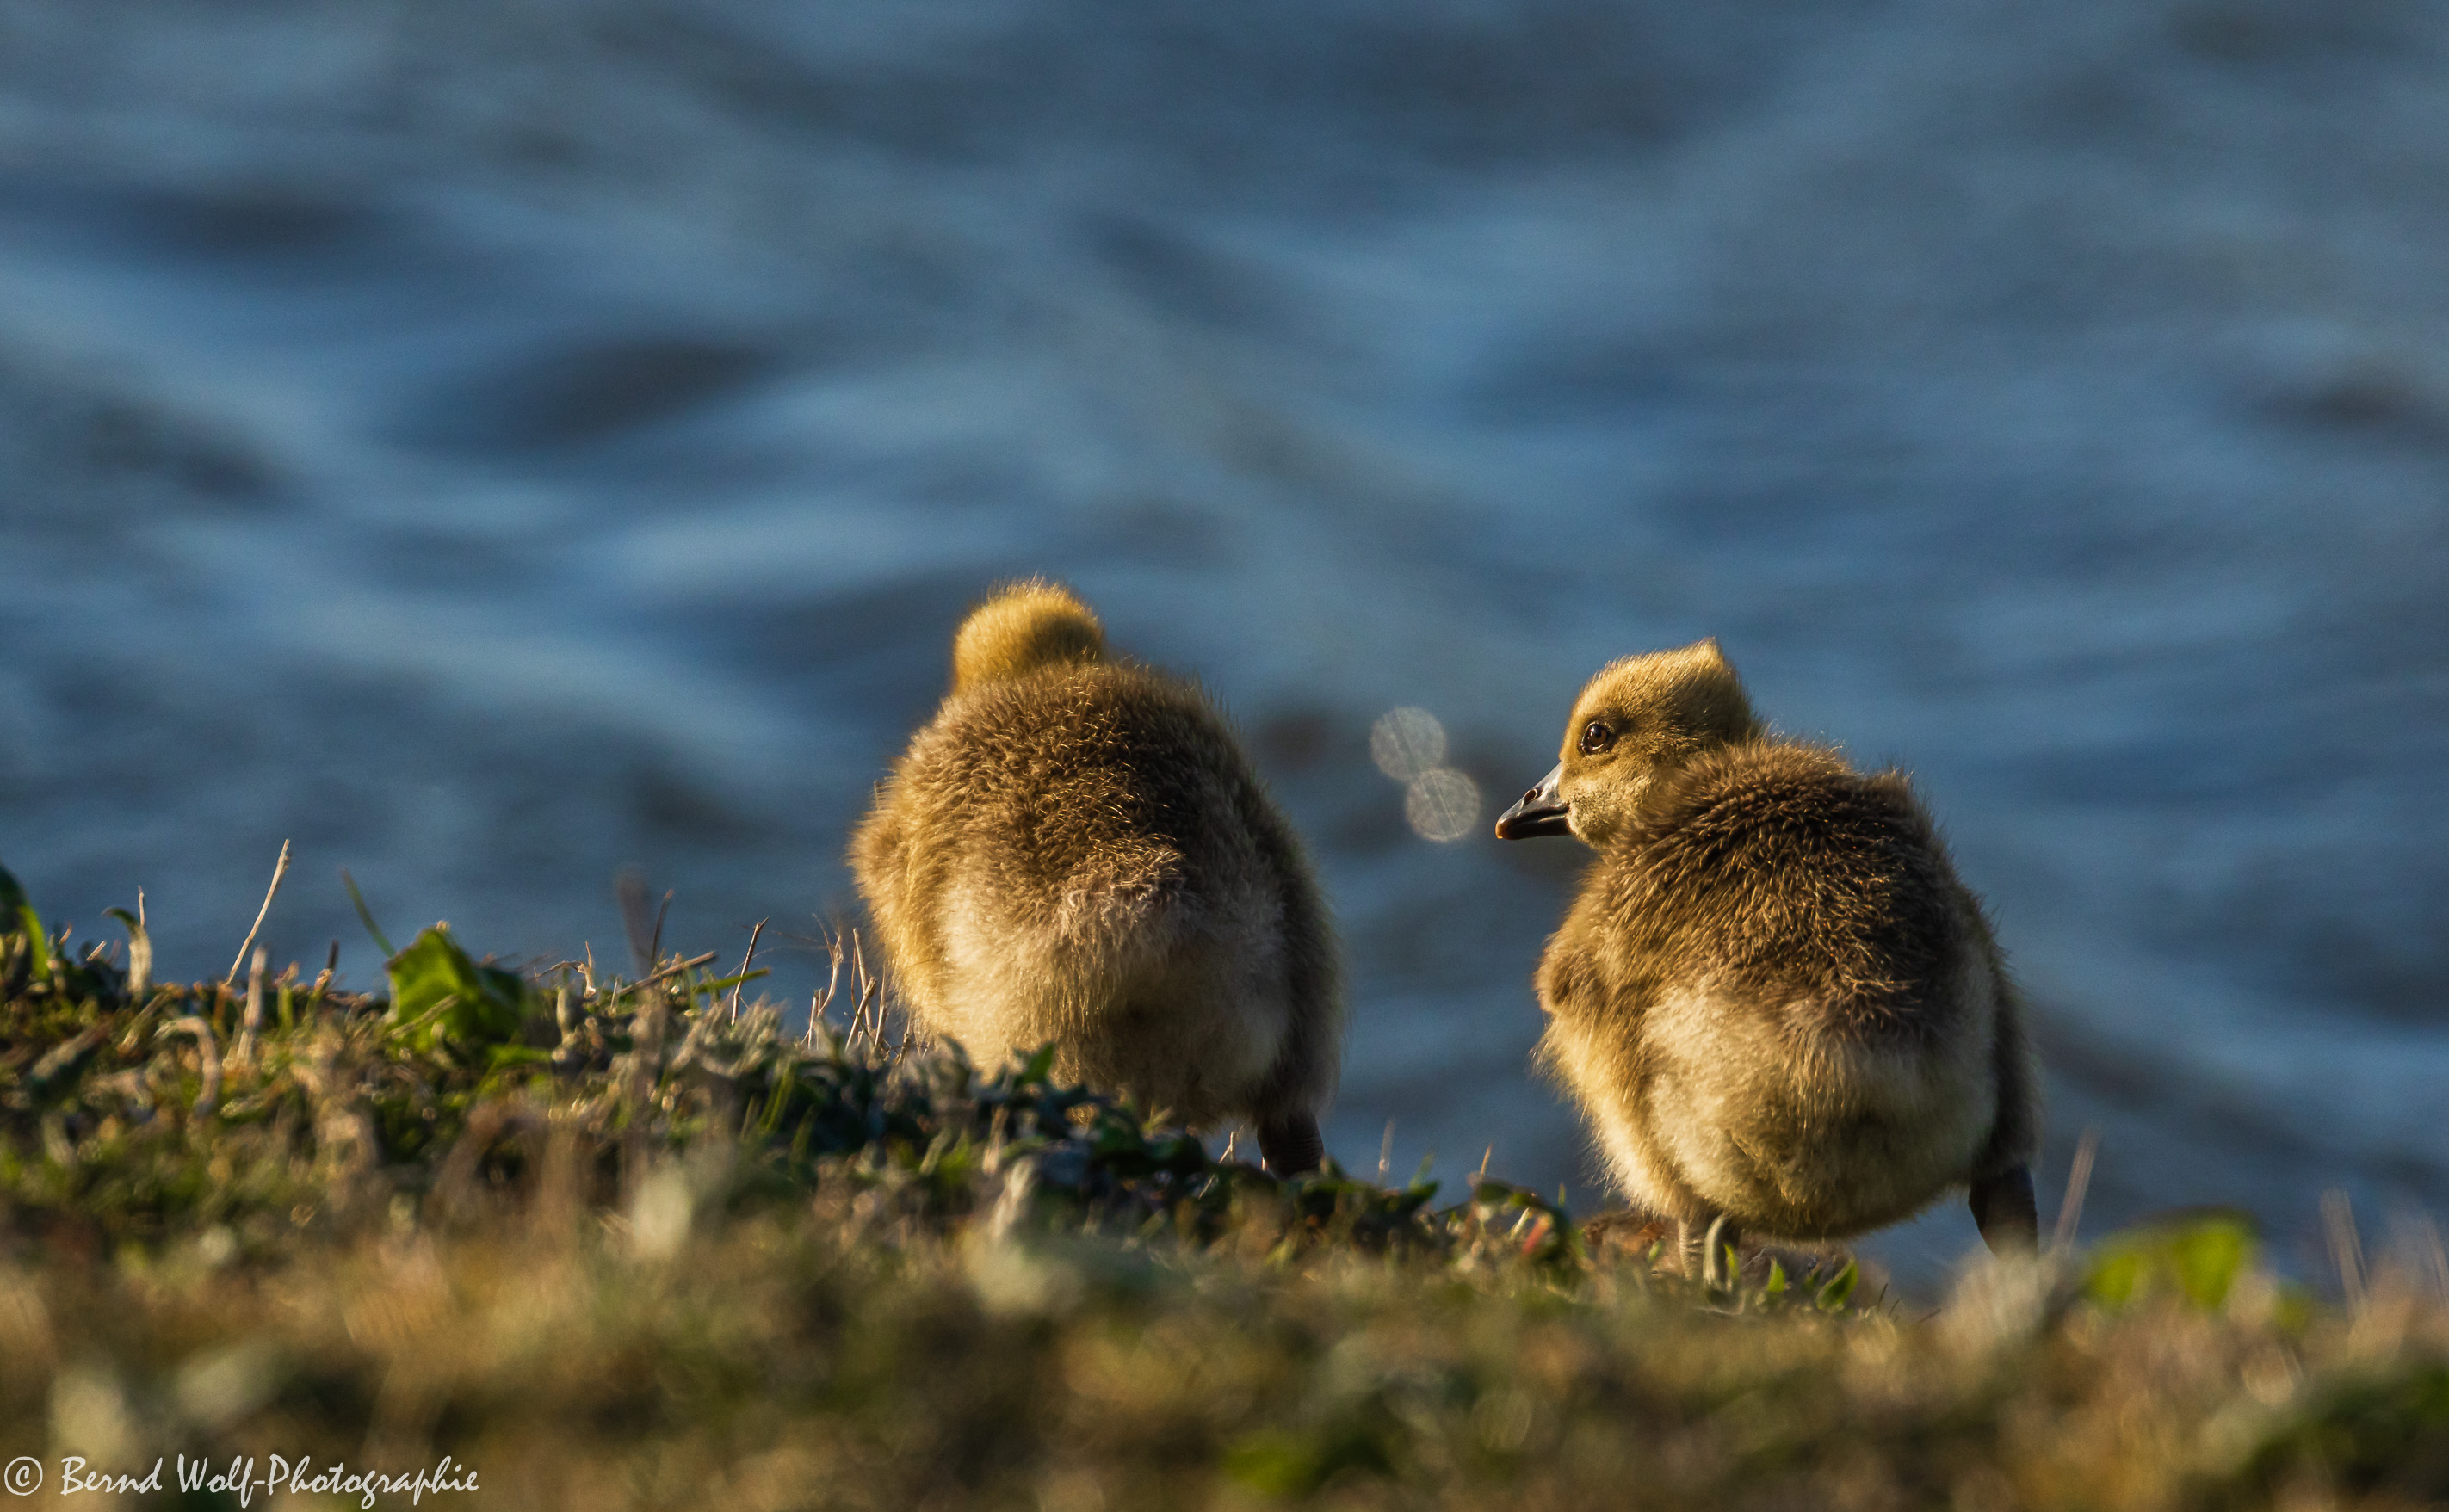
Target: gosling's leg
{"x": 2003, "y": 1206}
{"x": 1290, "y": 1143}
{"x": 1705, "y": 1250}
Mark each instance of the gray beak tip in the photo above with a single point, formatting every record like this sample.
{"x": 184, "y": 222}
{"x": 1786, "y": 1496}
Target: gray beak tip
{"x": 1541, "y": 811}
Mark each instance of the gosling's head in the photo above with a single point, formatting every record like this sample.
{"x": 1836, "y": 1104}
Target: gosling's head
{"x": 1023, "y": 628}
{"x": 1638, "y": 721}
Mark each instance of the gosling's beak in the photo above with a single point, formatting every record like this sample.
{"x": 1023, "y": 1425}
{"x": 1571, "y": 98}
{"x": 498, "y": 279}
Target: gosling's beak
{"x": 1541, "y": 811}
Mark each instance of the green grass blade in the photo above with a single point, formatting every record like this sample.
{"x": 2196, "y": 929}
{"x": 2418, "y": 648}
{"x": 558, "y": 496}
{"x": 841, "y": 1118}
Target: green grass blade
{"x": 366, "y": 915}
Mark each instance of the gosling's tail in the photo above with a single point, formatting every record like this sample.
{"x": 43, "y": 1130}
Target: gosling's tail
{"x": 1025, "y": 626}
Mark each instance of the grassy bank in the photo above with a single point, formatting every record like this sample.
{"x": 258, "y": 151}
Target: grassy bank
{"x": 618, "y": 1244}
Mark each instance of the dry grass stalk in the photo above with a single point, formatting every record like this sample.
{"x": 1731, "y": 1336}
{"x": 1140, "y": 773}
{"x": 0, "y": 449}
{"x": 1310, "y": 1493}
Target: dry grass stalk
{"x": 2078, "y": 1182}
{"x": 2347, "y": 1246}
{"x": 746, "y": 962}
{"x": 279, "y": 870}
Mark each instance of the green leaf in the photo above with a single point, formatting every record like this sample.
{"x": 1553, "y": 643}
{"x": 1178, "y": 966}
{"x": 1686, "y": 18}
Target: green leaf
{"x": 2113, "y": 1278}
{"x": 1776, "y": 1279}
{"x": 1274, "y": 1463}
{"x": 1838, "y": 1287}
{"x": 2200, "y": 1256}
{"x": 15, "y": 910}
{"x": 2208, "y": 1257}
{"x": 437, "y": 993}
{"x": 1288, "y": 1463}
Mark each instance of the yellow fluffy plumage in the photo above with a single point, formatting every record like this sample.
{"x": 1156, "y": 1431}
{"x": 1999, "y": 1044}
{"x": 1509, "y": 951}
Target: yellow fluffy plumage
{"x": 1773, "y": 999}
{"x": 1075, "y": 850}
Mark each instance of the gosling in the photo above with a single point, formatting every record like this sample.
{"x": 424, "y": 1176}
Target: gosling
{"x": 1778, "y": 1007}
{"x": 1076, "y": 852}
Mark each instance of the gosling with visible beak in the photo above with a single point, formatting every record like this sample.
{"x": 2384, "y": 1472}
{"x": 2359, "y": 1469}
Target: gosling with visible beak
{"x": 1775, "y": 1004}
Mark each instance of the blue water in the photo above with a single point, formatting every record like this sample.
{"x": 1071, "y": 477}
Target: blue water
{"x": 494, "y": 444}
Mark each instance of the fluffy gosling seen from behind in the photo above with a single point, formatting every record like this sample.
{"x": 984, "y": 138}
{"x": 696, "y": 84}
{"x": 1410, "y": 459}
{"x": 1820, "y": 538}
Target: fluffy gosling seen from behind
{"x": 1775, "y": 1004}
{"x": 1075, "y": 850}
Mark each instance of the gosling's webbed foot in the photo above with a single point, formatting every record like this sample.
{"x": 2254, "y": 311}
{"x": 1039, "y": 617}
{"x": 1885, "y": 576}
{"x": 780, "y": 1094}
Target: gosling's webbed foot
{"x": 2003, "y": 1207}
{"x": 1291, "y": 1144}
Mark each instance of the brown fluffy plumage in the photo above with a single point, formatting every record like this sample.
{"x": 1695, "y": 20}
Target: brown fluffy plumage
{"x": 1075, "y": 850}
{"x": 1773, "y": 999}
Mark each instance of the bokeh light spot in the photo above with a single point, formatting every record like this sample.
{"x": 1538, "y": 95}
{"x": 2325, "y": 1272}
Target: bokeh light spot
{"x": 1442, "y": 804}
{"x": 1407, "y": 743}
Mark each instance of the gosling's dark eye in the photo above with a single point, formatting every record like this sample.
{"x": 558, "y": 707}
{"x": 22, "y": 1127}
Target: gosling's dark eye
{"x": 1597, "y": 738}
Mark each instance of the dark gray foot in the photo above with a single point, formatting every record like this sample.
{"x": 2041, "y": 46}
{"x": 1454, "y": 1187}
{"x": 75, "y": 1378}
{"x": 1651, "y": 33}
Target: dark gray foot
{"x": 1291, "y": 1144}
{"x": 1705, "y": 1251}
{"x": 2003, "y": 1206}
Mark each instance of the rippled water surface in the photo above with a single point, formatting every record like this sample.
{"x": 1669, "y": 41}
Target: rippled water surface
{"x": 491, "y": 443}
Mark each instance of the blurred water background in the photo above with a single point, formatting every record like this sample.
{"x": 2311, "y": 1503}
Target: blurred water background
{"x": 493, "y": 442}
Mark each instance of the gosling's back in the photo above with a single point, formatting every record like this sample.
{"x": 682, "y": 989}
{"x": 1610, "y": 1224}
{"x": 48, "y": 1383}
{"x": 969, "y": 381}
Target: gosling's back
{"x": 1076, "y": 851}
{"x": 1777, "y": 873}
{"x": 1779, "y": 1003}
